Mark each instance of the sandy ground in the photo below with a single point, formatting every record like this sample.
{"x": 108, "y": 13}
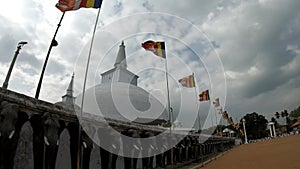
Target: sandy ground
{"x": 280, "y": 153}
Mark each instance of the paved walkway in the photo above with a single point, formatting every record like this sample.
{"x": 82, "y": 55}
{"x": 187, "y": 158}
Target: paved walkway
{"x": 280, "y": 153}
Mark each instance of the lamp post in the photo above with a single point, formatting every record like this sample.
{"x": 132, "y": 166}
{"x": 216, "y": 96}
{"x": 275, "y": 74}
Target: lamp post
{"x": 274, "y": 130}
{"x": 246, "y": 141}
{"x": 271, "y": 129}
{"x": 19, "y": 47}
{"x": 53, "y": 44}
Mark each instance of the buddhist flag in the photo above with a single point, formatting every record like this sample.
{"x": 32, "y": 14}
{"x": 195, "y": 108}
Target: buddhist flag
{"x": 217, "y": 102}
{"x": 230, "y": 121}
{"x": 242, "y": 132}
{"x": 220, "y": 110}
{"x": 69, "y": 5}
{"x": 204, "y": 96}
{"x": 187, "y": 81}
{"x": 237, "y": 126}
{"x": 158, "y": 48}
{"x": 225, "y": 115}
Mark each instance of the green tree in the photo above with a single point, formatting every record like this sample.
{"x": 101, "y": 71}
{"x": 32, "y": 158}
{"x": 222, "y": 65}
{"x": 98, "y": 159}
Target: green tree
{"x": 285, "y": 114}
{"x": 294, "y": 114}
{"x": 256, "y": 126}
{"x": 277, "y": 115}
{"x": 275, "y": 122}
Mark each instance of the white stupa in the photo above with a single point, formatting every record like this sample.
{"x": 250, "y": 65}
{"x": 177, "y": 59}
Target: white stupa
{"x": 68, "y": 100}
{"x": 118, "y": 96}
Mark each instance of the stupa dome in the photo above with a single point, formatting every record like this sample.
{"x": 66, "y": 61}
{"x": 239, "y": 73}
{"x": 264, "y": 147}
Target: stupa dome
{"x": 124, "y": 102}
{"x": 118, "y": 96}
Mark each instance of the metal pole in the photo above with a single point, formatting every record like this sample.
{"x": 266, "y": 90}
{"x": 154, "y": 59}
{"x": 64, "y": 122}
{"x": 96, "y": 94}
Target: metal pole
{"x": 211, "y": 116}
{"x": 216, "y": 120}
{"x": 53, "y": 43}
{"x": 198, "y": 116}
{"x": 5, "y": 83}
{"x": 83, "y": 92}
{"x": 197, "y": 104}
{"x": 246, "y": 141}
{"x": 167, "y": 79}
{"x": 170, "y": 113}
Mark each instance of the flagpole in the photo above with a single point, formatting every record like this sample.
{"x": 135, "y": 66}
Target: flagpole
{"x": 216, "y": 119}
{"x": 83, "y": 91}
{"x": 222, "y": 124}
{"x": 170, "y": 114}
{"x": 168, "y": 92}
{"x": 197, "y": 104}
{"x": 53, "y": 43}
{"x": 211, "y": 116}
{"x": 198, "y": 115}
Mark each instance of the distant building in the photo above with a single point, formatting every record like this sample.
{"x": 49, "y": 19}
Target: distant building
{"x": 228, "y": 133}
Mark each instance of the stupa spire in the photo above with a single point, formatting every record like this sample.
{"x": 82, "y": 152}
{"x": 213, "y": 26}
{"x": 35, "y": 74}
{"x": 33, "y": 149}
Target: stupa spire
{"x": 121, "y": 57}
{"x": 120, "y": 73}
{"x": 70, "y": 87}
{"x": 68, "y": 98}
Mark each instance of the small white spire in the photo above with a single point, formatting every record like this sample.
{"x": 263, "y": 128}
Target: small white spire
{"x": 68, "y": 98}
{"x": 121, "y": 57}
{"x": 70, "y": 87}
{"x": 120, "y": 73}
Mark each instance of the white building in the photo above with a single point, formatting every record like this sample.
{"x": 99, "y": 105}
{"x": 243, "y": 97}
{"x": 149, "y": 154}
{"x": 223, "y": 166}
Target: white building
{"x": 119, "y": 97}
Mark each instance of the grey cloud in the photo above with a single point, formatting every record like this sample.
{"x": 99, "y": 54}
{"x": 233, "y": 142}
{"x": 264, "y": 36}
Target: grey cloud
{"x": 7, "y": 42}
{"x": 246, "y": 41}
{"x": 271, "y": 78}
{"x": 267, "y": 103}
{"x": 30, "y": 59}
{"x": 183, "y": 8}
{"x": 55, "y": 67}
{"x": 264, "y": 48}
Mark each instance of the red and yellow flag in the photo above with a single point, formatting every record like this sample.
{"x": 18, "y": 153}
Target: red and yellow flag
{"x": 217, "y": 102}
{"x": 225, "y": 115}
{"x": 69, "y": 5}
{"x": 187, "y": 81}
{"x": 237, "y": 126}
{"x": 158, "y": 48}
{"x": 204, "y": 96}
{"x": 230, "y": 121}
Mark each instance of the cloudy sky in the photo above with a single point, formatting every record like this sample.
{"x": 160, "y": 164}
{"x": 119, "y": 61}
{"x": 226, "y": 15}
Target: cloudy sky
{"x": 246, "y": 52}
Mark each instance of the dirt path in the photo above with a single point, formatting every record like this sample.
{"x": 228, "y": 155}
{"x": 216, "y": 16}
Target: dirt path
{"x": 280, "y": 153}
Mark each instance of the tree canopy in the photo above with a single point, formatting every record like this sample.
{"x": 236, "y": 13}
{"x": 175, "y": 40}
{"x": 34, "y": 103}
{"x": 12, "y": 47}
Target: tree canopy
{"x": 256, "y": 125}
{"x": 295, "y": 113}
{"x": 275, "y": 121}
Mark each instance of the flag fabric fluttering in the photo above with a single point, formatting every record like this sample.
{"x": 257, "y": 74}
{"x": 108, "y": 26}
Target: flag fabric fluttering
{"x": 230, "y": 121}
{"x": 220, "y": 110}
{"x": 204, "y": 96}
{"x": 69, "y": 5}
{"x": 237, "y": 126}
{"x": 242, "y": 132}
{"x": 158, "y": 48}
{"x": 187, "y": 81}
{"x": 225, "y": 115}
{"x": 217, "y": 102}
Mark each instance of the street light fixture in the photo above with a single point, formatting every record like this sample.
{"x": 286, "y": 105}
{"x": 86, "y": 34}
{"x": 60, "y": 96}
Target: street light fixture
{"x": 19, "y": 47}
{"x": 246, "y": 140}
